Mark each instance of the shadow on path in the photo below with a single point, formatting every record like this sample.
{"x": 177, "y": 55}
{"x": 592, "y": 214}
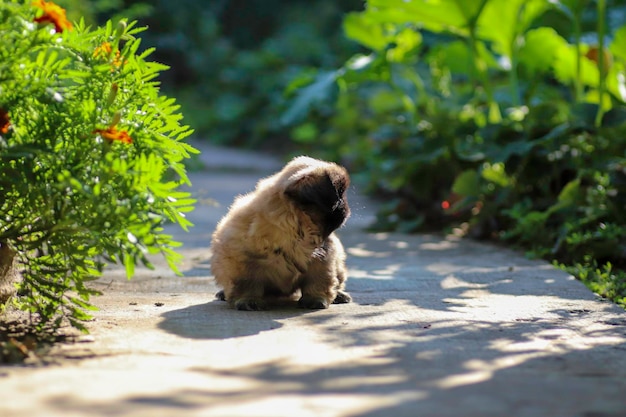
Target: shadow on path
{"x": 486, "y": 369}
{"x": 215, "y": 320}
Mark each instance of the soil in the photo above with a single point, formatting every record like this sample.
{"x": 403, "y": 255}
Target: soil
{"x": 26, "y": 342}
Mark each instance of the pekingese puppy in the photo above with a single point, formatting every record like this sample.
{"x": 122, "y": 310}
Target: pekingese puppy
{"x": 278, "y": 239}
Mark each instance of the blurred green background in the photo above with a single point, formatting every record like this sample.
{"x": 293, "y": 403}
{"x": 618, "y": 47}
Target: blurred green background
{"x": 231, "y": 60}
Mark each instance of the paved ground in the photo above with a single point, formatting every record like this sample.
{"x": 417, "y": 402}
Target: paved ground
{"x": 438, "y": 327}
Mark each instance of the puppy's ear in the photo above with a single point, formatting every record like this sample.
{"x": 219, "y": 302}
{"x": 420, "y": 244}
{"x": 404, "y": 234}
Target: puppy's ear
{"x": 323, "y": 188}
{"x": 315, "y": 190}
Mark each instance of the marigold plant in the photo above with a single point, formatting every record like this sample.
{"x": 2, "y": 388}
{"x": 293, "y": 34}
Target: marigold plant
{"x": 91, "y": 156}
{"x": 52, "y": 13}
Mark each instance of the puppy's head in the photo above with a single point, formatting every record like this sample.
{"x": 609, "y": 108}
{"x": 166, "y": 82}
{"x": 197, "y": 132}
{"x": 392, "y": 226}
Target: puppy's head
{"x": 319, "y": 189}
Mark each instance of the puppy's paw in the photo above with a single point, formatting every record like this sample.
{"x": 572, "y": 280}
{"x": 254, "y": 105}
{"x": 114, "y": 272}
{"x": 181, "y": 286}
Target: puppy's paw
{"x": 250, "y": 304}
{"x": 220, "y": 295}
{"x": 312, "y": 302}
{"x": 342, "y": 298}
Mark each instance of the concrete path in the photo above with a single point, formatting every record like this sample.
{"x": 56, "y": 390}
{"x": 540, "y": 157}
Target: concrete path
{"x": 438, "y": 327}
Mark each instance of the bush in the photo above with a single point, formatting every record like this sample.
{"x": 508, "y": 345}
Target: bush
{"x": 91, "y": 156}
{"x": 481, "y": 115}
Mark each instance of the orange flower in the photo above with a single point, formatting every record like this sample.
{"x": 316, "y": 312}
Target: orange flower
{"x": 4, "y": 121}
{"x": 111, "y": 134}
{"x": 117, "y": 62}
{"x": 52, "y": 14}
{"x": 105, "y": 50}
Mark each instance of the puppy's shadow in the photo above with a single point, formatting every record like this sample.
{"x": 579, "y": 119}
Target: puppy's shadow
{"x": 215, "y": 320}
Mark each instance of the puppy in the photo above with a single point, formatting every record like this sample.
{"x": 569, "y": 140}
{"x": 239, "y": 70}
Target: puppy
{"x": 278, "y": 239}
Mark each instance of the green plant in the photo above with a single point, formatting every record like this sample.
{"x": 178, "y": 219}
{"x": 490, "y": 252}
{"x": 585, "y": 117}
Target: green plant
{"x": 91, "y": 156}
{"x": 605, "y": 281}
{"x": 483, "y": 115}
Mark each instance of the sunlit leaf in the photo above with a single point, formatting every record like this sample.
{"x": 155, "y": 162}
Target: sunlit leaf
{"x": 363, "y": 29}
{"x": 565, "y": 66}
{"x": 570, "y": 192}
{"x": 467, "y": 184}
{"x": 539, "y": 51}
{"x": 406, "y": 41}
{"x": 502, "y": 22}
{"x": 618, "y": 45}
{"x": 434, "y": 15}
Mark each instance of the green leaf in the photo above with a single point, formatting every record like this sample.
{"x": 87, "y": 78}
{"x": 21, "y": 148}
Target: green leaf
{"x": 83, "y": 304}
{"x": 129, "y": 264}
{"x": 496, "y": 173}
{"x": 501, "y": 22}
{"x": 406, "y": 41}
{"x": 618, "y": 46}
{"x": 570, "y": 193}
{"x": 315, "y": 93}
{"x": 467, "y": 184}
{"x": 471, "y": 9}
{"x": 565, "y": 66}
{"x": 556, "y": 133}
{"x": 568, "y": 197}
{"x": 437, "y": 16}
{"x": 539, "y": 52}
{"x": 365, "y": 30}
{"x": 456, "y": 56}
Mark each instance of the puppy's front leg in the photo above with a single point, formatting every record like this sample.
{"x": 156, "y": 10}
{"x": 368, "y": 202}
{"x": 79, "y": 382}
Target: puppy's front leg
{"x": 247, "y": 294}
{"x": 318, "y": 285}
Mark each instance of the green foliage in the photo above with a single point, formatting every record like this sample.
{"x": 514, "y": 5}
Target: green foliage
{"x": 232, "y": 59}
{"x": 605, "y": 281}
{"x": 488, "y": 115}
{"x": 91, "y": 159}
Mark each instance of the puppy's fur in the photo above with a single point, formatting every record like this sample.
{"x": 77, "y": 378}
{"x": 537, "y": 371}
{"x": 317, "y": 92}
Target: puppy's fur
{"x": 279, "y": 239}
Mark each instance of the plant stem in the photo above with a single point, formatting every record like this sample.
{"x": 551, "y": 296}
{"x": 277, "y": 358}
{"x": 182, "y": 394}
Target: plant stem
{"x": 514, "y": 81}
{"x": 601, "y": 7}
{"x": 578, "y": 88}
{"x": 513, "y": 77}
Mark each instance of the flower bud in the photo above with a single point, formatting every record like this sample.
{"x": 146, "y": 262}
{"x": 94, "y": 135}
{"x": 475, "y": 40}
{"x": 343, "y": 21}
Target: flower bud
{"x": 121, "y": 29}
{"x": 112, "y": 94}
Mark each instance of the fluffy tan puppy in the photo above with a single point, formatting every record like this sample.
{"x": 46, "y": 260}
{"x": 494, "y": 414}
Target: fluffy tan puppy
{"x": 278, "y": 239}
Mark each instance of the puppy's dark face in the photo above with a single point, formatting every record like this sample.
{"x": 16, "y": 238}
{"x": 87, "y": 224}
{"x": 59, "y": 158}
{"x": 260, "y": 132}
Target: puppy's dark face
{"x": 321, "y": 194}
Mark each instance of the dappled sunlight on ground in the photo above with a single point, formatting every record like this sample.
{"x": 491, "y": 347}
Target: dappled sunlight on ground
{"x": 361, "y": 363}
{"x": 437, "y": 327}
{"x": 369, "y": 359}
